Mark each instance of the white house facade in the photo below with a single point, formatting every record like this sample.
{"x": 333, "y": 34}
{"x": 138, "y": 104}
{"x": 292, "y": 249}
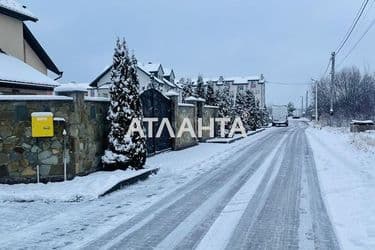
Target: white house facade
{"x": 150, "y": 75}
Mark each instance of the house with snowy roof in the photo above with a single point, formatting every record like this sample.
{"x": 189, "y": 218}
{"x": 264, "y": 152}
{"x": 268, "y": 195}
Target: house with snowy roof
{"x": 24, "y": 64}
{"x": 255, "y": 84}
{"x": 150, "y": 75}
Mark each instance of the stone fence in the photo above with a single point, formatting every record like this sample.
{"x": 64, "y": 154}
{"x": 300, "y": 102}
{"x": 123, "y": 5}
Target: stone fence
{"x": 84, "y": 119}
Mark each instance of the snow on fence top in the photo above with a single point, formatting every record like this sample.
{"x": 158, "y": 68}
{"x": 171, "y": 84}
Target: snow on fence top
{"x": 34, "y": 98}
{"x": 71, "y": 87}
{"x": 171, "y": 93}
{"x": 97, "y": 99}
{"x": 17, "y": 72}
{"x": 15, "y": 6}
{"x": 211, "y": 107}
{"x": 366, "y": 122}
{"x": 186, "y": 105}
{"x": 192, "y": 98}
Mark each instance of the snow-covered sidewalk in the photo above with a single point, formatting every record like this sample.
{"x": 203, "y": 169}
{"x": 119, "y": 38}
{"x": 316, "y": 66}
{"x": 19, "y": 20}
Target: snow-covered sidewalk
{"x": 80, "y": 188}
{"x": 346, "y": 169}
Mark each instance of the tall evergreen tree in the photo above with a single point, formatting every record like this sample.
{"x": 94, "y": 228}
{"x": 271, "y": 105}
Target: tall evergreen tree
{"x": 254, "y": 115}
{"x": 187, "y": 88}
{"x": 225, "y": 100}
{"x": 124, "y": 150}
{"x": 242, "y": 109}
{"x": 199, "y": 89}
{"x": 210, "y": 95}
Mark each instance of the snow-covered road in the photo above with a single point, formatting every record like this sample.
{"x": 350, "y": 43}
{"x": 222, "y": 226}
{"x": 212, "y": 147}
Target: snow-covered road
{"x": 262, "y": 193}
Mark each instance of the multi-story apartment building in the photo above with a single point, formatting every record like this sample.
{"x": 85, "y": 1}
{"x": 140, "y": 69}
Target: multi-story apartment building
{"x": 240, "y": 84}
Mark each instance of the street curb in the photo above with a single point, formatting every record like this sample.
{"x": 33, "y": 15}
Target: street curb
{"x": 127, "y": 182}
{"x": 229, "y": 141}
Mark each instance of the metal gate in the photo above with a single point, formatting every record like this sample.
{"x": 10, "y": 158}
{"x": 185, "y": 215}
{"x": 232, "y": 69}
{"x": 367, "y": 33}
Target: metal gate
{"x": 156, "y": 105}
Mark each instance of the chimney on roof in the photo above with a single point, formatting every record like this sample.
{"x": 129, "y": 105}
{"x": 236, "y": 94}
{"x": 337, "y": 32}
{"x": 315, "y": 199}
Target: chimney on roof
{"x": 149, "y": 62}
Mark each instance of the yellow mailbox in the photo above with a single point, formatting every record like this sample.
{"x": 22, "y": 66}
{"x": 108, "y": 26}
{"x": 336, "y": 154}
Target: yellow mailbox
{"x": 42, "y": 124}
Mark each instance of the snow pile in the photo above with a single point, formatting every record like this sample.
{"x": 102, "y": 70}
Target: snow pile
{"x": 80, "y": 188}
{"x": 364, "y": 141}
{"x": 15, "y": 6}
{"x": 16, "y": 71}
{"x": 346, "y": 169}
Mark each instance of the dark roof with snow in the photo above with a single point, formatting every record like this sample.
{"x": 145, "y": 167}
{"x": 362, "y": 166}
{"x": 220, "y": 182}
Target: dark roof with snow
{"x": 42, "y": 54}
{"x": 140, "y": 67}
{"x": 16, "y": 10}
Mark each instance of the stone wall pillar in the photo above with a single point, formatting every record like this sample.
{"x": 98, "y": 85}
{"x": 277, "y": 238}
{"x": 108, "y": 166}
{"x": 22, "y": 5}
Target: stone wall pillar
{"x": 199, "y": 105}
{"x": 174, "y": 113}
{"x": 74, "y": 126}
{"x": 193, "y": 100}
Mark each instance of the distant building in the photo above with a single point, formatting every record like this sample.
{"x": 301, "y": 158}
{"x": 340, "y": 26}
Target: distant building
{"x": 151, "y": 75}
{"x": 24, "y": 64}
{"x": 240, "y": 84}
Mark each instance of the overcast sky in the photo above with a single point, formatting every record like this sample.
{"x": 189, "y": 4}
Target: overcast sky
{"x": 287, "y": 41}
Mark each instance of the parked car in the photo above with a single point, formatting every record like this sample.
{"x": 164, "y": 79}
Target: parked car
{"x": 280, "y": 115}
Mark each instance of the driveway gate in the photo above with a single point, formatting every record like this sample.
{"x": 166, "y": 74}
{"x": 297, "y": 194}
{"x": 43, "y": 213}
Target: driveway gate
{"x": 156, "y": 105}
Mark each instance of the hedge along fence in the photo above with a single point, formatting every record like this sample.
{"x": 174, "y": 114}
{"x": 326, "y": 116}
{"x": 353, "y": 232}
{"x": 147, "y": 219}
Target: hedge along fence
{"x": 84, "y": 119}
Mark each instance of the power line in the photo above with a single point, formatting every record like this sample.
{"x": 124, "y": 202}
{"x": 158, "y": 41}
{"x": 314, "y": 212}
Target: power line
{"x": 289, "y": 83}
{"x": 358, "y": 42}
{"x": 352, "y": 27}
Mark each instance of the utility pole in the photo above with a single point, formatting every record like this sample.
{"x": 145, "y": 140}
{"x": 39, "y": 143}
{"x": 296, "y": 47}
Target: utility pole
{"x": 307, "y": 101}
{"x": 333, "y": 60}
{"x": 316, "y": 100}
{"x": 302, "y": 105}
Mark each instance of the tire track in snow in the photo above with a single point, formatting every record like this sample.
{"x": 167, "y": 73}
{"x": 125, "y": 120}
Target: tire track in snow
{"x": 146, "y": 215}
{"x": 272, "y": 218}
{"x": 151, "y": 233}
{"x": 190, "y": 231}
{"x": 219, "y": 234}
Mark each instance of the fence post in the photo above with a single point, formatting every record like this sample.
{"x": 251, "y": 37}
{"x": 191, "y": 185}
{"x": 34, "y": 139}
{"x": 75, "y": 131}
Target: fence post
{"x": 173, "y": 96}
{"x": 75, "y": 121}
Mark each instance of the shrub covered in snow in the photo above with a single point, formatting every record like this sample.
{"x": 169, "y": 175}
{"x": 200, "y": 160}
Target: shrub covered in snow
{"x": 124, "y": 150}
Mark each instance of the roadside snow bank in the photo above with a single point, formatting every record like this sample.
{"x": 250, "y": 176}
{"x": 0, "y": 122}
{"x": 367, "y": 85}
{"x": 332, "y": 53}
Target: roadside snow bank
{"x": 80, "y": 188}
{"x": 346, "y": 170}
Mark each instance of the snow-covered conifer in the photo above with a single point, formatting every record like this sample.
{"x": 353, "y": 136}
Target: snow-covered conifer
{"x": 210, "y": 95}
{"x": 225, "y": 100}
{"x": 199, "y": 89}
{"x": 124, "y": 150}
{"x": 187, "y": 88}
